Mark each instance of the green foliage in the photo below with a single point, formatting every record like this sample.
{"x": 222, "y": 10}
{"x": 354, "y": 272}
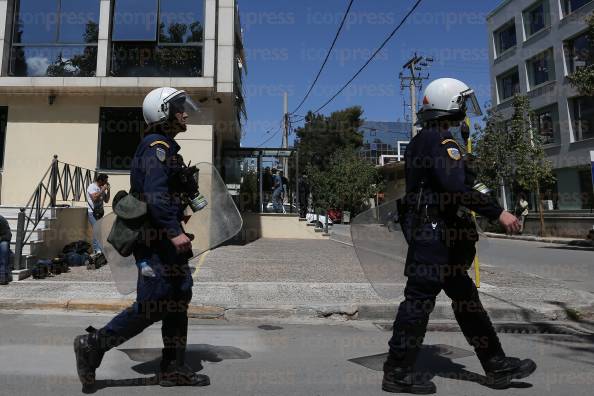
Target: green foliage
{"x": 346, "y": 182}
{"x": 323, "y": 136}
{"x": 512, "y": 151}
{"x": 583, "y": 78}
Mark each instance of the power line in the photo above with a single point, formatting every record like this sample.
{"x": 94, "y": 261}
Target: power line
{"x": 327, "y": 56}
{"x": 278, "y": 130}
{"x": 372, "y": 56}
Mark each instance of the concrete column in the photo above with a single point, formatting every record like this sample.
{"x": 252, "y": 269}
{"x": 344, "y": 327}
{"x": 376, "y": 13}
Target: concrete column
{"x": 5, "y": 26}
{"x": 225, "y": 46}
{"x": 210, "y": 26}
{"x": 103, "y": 44}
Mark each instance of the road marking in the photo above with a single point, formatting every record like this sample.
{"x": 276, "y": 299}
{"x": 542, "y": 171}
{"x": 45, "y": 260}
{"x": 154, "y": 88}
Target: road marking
{"x": 200, "y": 263}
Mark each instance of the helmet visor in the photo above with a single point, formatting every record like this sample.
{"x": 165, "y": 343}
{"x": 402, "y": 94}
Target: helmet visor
{"x": 471, "y": 104}
{"x": 180, "y": 102}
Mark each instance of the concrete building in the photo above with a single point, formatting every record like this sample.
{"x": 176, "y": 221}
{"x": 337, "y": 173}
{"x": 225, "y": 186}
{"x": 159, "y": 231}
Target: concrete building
{"x": 384, "y": 142}
{"x": 73, "y": 75}
{"x": 534, "y": 46}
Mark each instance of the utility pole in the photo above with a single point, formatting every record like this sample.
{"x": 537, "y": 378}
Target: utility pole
{"x": 286, "y": 132}
{"x": 414, "y": 82}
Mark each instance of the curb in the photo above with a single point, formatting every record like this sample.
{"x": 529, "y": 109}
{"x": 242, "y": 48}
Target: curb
{"x": 369, "y": 312}
{"x": 533, "y": 238}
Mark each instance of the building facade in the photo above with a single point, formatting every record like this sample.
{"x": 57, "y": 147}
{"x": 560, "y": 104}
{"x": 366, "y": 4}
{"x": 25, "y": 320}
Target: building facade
{"x": 534, "y": 46}
{"x": 384, "y": 142}
{"x": 73, "y": 75}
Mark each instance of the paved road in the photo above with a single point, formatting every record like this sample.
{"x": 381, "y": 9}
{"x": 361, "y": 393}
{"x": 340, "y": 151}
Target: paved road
{"x": 304, "y": 359}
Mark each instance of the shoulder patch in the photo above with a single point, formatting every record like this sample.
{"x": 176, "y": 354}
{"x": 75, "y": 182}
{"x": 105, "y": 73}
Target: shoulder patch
{"x": 454, "y": 154}
{"x": 153, "y": 144}
{"x": 450, "y": 141}
{"x": 161, "y": 154}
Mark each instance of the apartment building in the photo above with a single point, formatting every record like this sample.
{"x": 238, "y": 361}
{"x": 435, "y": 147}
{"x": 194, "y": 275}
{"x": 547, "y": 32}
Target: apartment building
{"x": 534, "y": 46}
{"x": 73, "y": 74}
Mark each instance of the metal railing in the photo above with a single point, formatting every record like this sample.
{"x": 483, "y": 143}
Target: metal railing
{"x": 61, "y": 182}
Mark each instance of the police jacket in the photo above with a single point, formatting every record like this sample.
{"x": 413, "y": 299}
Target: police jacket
{"x": 436, "y": 178}
{"x": 154, "y": 165}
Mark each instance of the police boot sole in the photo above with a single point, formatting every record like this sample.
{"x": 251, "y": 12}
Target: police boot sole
{"x": 197, "y": 380}
{"x": 86, "y": 374}
{"x": 427, "y": 389}
{"x": 505, "y": 381}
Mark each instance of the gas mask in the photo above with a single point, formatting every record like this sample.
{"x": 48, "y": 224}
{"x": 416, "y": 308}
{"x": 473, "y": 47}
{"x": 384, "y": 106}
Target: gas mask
{"x": 186, "y": 184}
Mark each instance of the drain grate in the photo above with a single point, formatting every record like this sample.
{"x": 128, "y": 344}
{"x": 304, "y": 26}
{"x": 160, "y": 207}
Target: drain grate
{"x": 506, "y": 328}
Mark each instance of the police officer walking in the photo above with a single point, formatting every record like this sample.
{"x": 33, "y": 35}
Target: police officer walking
{"x": 163, "y": 294}
{"x": 439, "y": 194}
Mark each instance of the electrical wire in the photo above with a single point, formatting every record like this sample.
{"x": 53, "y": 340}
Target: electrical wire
{"x": 278, "y": 130}
{"x": 327, "y": 56}
{"x": 417, "y": 4}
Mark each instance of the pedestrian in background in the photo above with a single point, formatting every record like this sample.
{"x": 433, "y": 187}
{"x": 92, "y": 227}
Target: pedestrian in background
{"x": 97, "y": 195}
{"x": 277, "y": 192}
{"x": 285, "y": 185}
{"x": 5, "y": 253}
{"x": 522, "y": 211}
{"x": 303, "y": 191}
{"x": 266, "y": 188}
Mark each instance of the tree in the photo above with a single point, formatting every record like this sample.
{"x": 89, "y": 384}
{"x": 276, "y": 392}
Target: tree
{"x": 583, "y": 78}
{"x": 512, "y": 153}
{"x": 346, "y": 183}
{"x": 323, "y": 136}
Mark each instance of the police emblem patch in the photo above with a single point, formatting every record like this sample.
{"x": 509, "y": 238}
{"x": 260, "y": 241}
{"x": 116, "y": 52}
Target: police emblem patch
{"x": 161, "y": 154}
{"x": 454, "y": 154}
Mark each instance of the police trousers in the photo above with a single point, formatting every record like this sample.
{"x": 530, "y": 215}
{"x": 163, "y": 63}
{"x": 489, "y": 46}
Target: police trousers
{"x": 164, "y": 297}
{"x": 429, "y": 271}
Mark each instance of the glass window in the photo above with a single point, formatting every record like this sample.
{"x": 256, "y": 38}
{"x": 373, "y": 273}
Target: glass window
{"x": 535, "y": 18}
{"x": 3, "y": 121}
{"x": 579, "y": 52}
{"x": 509, "y": 84}
{"x": 160, "y": 38}
{"x": 55, "y": 38}
{"x": 583, "y": 117}
{"x": 541, "y": 69}
{"x": 121, "y": 130}
{"x": 505, "y": 38}
{"x": 570, "y": 6}
{"x": 546, "y": 123}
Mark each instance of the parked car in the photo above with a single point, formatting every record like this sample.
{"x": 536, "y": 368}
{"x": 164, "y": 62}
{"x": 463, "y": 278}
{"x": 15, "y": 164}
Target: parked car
{"x": 335, "y": 215}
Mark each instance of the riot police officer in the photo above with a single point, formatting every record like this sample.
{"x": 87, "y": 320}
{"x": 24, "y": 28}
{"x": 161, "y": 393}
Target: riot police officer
{"x": 438, "y": 193}
{"x": 163, "y": 294}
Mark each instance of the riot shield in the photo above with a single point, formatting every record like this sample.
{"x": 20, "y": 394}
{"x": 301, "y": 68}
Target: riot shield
{"x": 218, "y": 222}
{"x": 123, "y": 269}
{"x": 381, "y": 248}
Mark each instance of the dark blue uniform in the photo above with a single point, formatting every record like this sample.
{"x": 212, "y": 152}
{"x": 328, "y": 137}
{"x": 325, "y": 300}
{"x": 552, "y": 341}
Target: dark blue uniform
{"x": 441, "y": 247}
{"x": 166, "y": 296}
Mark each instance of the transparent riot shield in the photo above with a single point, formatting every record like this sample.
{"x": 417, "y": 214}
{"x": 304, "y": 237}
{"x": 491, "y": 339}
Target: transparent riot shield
{"x": 211, "y": 226}
{"x": 381, "y": 248}
{"x": 123, "y": 269}
{"x": 220, "y": 220}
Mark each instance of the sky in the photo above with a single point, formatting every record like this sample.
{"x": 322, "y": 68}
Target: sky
{"x": 286, "y": 42}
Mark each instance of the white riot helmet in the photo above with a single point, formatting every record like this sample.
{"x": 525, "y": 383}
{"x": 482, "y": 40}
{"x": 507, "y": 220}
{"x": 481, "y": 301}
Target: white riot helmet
{"x": 448, "y": 98}
{"x": 162, "y": 103}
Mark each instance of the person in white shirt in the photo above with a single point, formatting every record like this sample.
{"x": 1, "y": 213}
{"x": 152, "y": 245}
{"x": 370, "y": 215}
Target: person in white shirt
{"x": 97, "y": 196}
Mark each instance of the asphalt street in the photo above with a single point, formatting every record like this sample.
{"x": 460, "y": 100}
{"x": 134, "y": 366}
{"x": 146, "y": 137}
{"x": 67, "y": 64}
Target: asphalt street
{"x": 268, "y": 359}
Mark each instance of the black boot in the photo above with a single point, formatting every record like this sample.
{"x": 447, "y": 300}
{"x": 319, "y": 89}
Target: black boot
{"x": 173, "y": 374}
{"x": 500, "y": 370}
{"x": 88, "y": 357}
{"x": 405, "y": 380}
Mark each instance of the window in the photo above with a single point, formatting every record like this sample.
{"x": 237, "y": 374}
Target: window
{"x": 541, "y": 68}
{"x": 536, "y": 18}
{"x": 583, "y": 117}
{"x": 56, "y": 38}
{"x": 546, "y": 123}
{"x": 120, "y": 130}
{"x": 570, "y": 6}
{"x": 157, "y": 38}
{"x": 505, "y": 38}
{"x": 579, "y": 52}
{"x": 3, "y": 121}
{"x": 508, "y": 84}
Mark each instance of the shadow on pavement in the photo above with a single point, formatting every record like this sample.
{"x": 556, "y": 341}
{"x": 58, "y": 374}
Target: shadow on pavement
{"x": 437, "y": 361}
{"x": 150, "y": 359}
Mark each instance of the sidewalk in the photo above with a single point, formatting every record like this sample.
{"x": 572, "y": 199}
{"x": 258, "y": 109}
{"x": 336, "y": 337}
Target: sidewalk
{"x": 296, "y": 280}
